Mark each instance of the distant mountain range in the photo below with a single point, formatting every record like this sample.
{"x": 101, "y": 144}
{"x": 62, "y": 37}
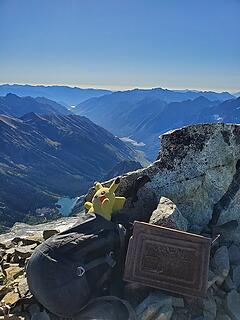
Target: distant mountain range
{"x": 121, "y": 98}
{"x": 173, "y": 115}
{"x": 14, "y": 105}
{"x": 227, "y": 111}
{"x": 143, "y": 115}
{"x": 69, "y": 96}
{"x": 44, "y": 157}
{"x": 65, "y": 95}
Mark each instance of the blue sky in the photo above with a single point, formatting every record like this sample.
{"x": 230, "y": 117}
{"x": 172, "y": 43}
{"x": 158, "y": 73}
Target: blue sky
{"x": 121, "y": 44}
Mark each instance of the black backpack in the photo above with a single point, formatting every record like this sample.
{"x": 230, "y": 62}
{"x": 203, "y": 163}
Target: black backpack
{"x": 73, "y": 266}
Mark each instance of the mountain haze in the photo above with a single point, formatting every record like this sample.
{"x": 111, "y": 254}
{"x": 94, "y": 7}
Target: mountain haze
{"x": 143, "y": 115}
{"x": 62, "y": 94}
{"x": 122, "y": 112}
{"x": 116, "y": 99}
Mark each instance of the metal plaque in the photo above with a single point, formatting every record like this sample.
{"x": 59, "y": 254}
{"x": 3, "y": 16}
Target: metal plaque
{"x": 168, "y": 259}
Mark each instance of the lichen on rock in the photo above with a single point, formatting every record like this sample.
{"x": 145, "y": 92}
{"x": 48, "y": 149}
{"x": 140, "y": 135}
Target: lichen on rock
{"x": 197, "y": 168}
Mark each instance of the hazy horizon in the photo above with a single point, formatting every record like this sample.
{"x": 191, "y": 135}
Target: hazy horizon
{"x": 124, "y": 88}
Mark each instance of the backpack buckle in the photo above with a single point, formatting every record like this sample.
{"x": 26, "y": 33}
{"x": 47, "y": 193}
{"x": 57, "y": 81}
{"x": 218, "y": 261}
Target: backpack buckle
{"x": 110, "y": 260}
{"x": 80, "y": 271}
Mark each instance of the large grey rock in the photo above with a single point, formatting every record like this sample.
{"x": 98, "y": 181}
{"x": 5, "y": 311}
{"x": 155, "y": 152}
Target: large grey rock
{"x": 150, "y": 313}
{"x": 229, "y": 285}
{"x": 150, "y": 307}
{"x": 25, "y": 251}
{"x": 168, "y": 215}
{"x": 197, "y": 168}
{"x": 233, "y": 304}
{"x": 178, "y": 302}
{"x": 22, "y": 286}
{"x": 165, "y": 313}
{"x": 234, "y": 254}
{"x": 209, "y": 308}
{"x": 223, "y": 317}
{"x": 236, "y": 276}
{"x": 2, "y": 253}
{"x": 214, "y": 278}
{"x": 221, "y": 261}
{"x": 23, "y": 230}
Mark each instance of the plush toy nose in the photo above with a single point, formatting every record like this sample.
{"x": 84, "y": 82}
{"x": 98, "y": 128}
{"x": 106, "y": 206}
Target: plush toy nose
{"x": 102, "y": 198}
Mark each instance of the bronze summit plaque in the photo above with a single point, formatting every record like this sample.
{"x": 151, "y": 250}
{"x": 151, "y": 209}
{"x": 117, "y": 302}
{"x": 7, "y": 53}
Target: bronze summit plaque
{"x": 168, "y": 259}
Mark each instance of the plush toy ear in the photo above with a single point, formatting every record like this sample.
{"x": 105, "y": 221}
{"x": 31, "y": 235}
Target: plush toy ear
{"x": 117, "y": 180}
{"x": 87, "y": 205}
{"x": 114, "y": 185}
{"x": 98, "y": 186}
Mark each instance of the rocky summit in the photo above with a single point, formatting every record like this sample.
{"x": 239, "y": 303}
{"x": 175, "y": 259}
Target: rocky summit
{"x": 193, "y": 186}
{"x": 198, "y": 168}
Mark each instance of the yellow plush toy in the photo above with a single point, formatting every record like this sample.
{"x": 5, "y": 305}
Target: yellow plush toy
{"x": 104, "y": 201}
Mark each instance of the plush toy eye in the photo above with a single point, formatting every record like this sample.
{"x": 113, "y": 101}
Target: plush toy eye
{"x": 103, "y": 192}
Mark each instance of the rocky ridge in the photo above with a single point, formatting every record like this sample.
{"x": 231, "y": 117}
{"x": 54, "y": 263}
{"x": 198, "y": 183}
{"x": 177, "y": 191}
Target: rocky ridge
{"x": 198, "y": 168}
{"x": 193, "y": 186}
{"x": 16, "y": 106}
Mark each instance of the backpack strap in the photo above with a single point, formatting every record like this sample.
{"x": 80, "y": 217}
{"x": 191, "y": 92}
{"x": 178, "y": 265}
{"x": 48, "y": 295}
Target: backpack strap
{"x": 108, "y": 259}
{"x": 122, "y": 237}
{"x": 93, "y": 264}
